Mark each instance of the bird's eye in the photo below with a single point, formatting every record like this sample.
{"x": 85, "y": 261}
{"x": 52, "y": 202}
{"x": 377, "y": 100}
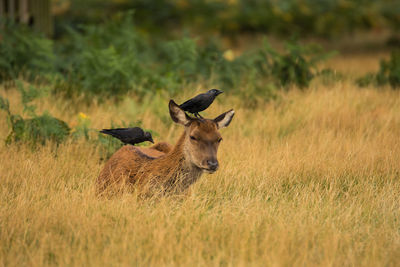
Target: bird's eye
{"x": 193, "y": 138}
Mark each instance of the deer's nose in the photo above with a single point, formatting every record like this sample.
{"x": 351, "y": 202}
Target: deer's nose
{"x": 212, "y": 164}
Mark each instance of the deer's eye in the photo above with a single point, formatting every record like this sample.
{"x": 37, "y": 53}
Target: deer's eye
{"x": 193, "y": 138}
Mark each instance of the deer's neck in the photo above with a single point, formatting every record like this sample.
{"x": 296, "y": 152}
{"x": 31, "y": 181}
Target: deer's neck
{"x": 182, "y": 172}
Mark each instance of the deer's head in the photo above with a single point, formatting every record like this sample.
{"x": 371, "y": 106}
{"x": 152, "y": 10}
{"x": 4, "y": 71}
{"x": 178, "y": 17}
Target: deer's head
{"x": 202, "y": 137}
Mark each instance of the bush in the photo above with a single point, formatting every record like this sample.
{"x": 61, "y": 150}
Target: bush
{"x": 101, "y": 60}
{"x": 388, "y": 74}
{"x": 23, "y": 51}
{"x": 37, "y": 129}
{"x": 113, "y": 58}
{"x": 296, "y": 66}
{"x": 303, "y": 17}
{"x": 184, "y": 61}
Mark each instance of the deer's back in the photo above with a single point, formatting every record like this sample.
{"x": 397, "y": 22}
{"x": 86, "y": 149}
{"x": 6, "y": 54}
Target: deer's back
{"x": 129, "y": 164}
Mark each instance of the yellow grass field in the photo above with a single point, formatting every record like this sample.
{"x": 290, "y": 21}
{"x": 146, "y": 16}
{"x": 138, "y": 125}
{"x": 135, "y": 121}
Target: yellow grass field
{"x": 310, "y": 179}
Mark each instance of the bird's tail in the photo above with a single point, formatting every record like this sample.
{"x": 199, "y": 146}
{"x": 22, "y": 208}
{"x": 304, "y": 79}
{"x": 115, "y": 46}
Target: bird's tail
{"x": 108, "y": 131}
{"x": 105, "y": 131}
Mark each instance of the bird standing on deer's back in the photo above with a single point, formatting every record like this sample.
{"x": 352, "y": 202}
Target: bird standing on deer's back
{"x": 131, "y": 136}
{"x": 200, "y": 102}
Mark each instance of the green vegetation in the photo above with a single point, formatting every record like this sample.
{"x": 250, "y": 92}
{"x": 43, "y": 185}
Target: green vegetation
{"x": 232, "y": 17}
{"x": 24, "y": 52}
{"x": 36, "y": 129}
{"x": 297, "y": 66}
{"x": 113, "y": 58}
{"x": 388, "y": 74}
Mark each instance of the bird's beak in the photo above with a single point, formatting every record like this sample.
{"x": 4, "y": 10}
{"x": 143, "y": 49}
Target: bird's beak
{"x": 151, "y": 140}
{"x": 220, "y": 92}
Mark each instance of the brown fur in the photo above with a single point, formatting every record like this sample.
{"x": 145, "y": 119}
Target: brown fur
{"x": 162, "y": 147}
{"x": 164, "y": 168}
{"x": 129, "y": 165}
{"x": 157, "y": 150}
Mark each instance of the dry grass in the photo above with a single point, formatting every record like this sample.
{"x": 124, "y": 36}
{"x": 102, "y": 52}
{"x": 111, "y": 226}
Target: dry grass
{"x": 311, "y": 179}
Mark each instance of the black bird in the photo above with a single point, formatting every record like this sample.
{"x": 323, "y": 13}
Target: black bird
{"x": 200, "y": 102}
{"x": 131, "y": 136}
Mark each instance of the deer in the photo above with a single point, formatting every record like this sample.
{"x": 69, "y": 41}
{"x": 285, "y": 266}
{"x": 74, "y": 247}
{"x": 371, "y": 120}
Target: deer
{"x": 165, "y": 168}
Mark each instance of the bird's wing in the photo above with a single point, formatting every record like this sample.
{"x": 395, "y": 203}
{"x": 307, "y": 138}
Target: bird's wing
{"x": 112, "y": 132}
{"x": 115, "y": 130}
{"x": 188, "y": 103}
{"x": 106, "y": 131}
{"x": 193, "y": 101}
{"x": 126, "y": 135}
{"x": 134, "y": 132}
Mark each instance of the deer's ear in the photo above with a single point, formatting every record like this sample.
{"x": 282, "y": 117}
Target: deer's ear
{"x": 177, "y": 114}
{"x": 224, "y": 119}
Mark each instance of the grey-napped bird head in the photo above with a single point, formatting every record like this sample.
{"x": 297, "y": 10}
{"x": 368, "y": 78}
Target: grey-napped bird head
{"x": 215, "y": 92}
{"x": 148, "y": 137}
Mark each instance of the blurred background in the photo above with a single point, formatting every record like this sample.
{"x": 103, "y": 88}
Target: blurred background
{"x": 327, "y": 18}
{"x": 111, "y": 47}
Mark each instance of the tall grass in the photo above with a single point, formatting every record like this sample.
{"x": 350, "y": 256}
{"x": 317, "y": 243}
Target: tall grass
{"x": 310, "y": 179}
